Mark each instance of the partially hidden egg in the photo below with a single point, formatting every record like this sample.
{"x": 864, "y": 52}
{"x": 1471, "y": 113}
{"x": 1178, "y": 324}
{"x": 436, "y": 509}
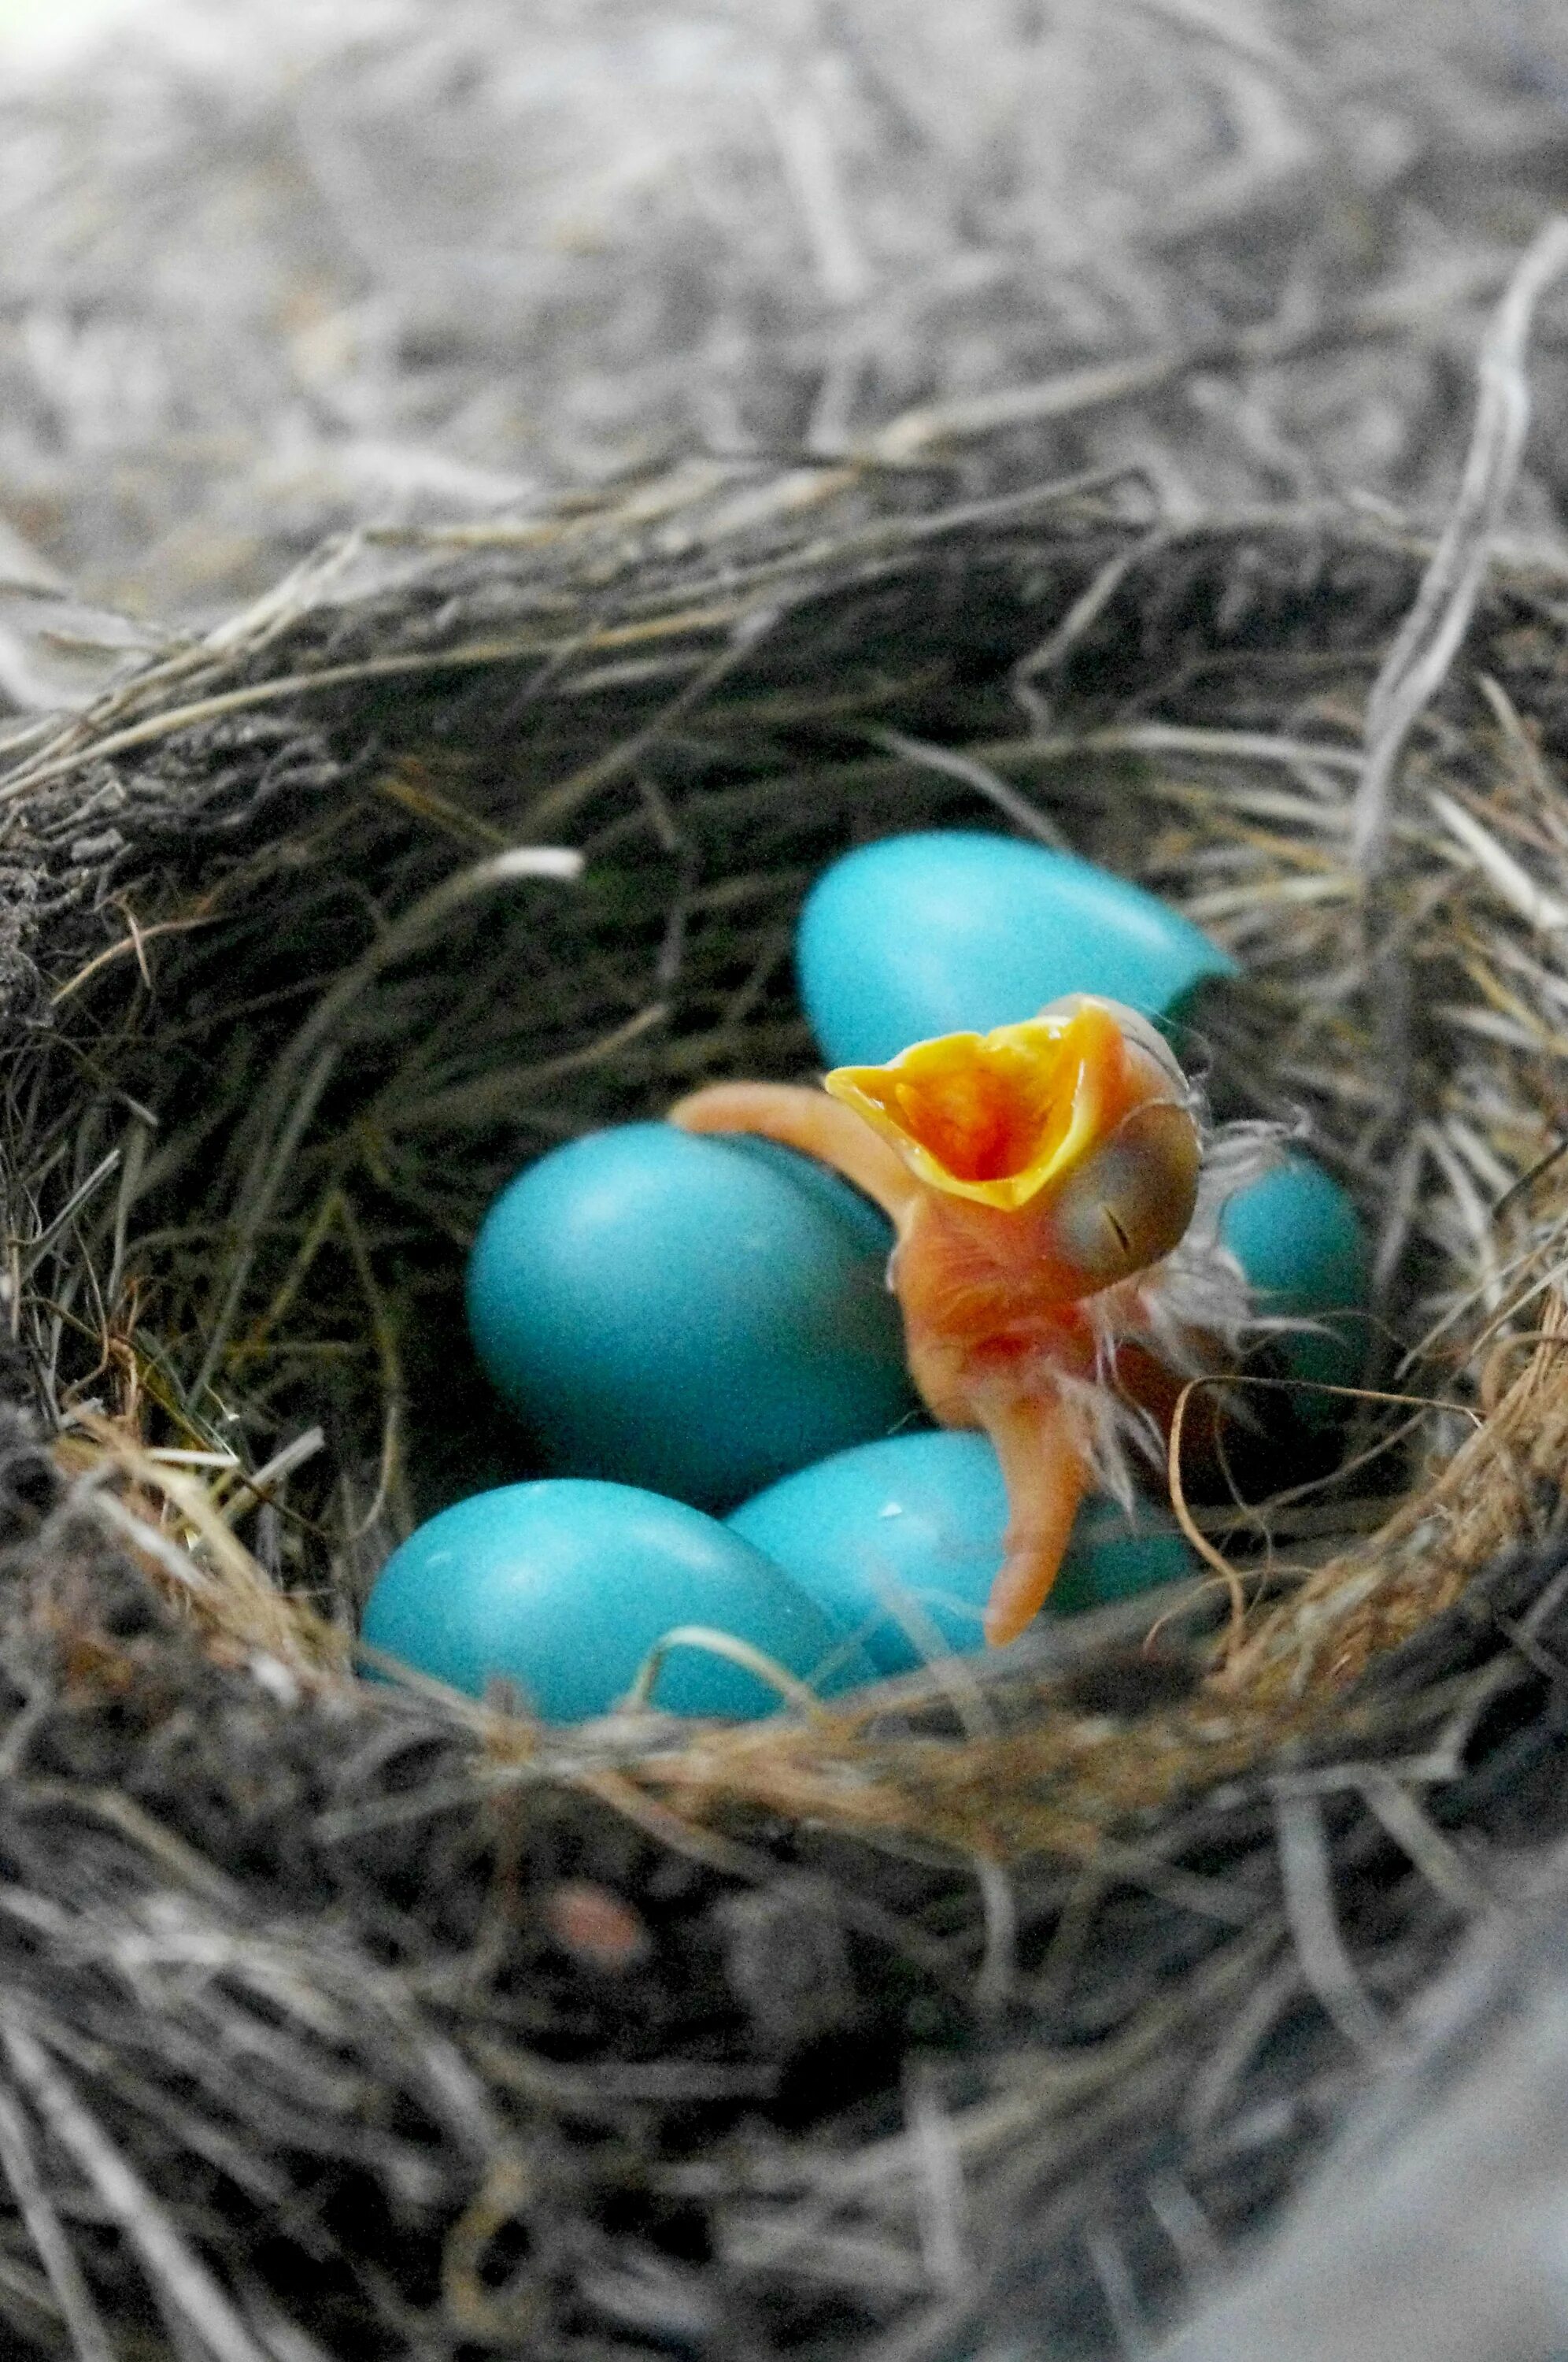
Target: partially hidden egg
{"x": 562, "y": 1586}
{"x": 1298, "y": 1239}
{"x": 956, "y": 930}
{"x": 693, "y": 1315}
{"x": 898, "y": 1542}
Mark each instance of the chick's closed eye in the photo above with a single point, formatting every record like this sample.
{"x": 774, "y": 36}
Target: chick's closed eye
{"x": 1128, "y": 1202}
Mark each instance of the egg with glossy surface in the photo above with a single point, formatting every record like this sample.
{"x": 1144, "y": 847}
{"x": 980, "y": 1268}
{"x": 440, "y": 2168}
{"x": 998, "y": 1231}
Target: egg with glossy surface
{"x": 897, "y": 1542}
{"x": 562, "y": 1587}
{"x": 1300, "y": 1241}
{"x": 950, "y": 930}
{"x": 694, "y": 1315}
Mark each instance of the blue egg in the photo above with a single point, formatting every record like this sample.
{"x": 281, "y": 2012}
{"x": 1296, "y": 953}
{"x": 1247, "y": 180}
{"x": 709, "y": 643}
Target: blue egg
{"x": 950, "y": 930}
{"x": 692, "y": 1314}
{"x": 563, "y": 1586}
{"x": 1299, "y": 1240}
{"x": 897, "y": 1542}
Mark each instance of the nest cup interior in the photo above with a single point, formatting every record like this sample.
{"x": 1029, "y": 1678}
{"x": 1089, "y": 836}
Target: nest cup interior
{"x": 304, "y": 1009}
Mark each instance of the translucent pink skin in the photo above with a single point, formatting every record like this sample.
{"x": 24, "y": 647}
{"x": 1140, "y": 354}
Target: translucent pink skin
{"x": 993, "y": 1295}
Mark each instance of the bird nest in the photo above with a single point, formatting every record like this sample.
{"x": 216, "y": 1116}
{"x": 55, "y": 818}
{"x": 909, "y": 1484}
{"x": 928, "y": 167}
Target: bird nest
{"x": 345, "y": 2019}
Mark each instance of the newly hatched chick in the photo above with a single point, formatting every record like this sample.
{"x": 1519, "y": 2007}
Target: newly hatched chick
{"x": 1037, "y": 1178}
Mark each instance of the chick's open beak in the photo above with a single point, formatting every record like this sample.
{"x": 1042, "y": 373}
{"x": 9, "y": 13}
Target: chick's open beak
{"x": 999, "y": 1117}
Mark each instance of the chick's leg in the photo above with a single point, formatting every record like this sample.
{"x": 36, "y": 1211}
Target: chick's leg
{"x": 810, "y": 1121}
{"x": 1046, "y": 1473}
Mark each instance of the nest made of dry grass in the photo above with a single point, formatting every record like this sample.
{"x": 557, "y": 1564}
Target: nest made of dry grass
{"x": 379, "y": 2022}
{"x": 321, "y": 973}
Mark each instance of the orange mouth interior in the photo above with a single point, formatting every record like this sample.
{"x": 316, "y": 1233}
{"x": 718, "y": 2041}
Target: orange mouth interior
{"x": 994, "y": 1117}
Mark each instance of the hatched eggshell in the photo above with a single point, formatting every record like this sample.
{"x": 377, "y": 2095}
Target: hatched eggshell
{"x": 563, "y": 1586}
{"x": 897, "y": 1542}
{"x": 694, "y": 1315}
{"x": 1300, "y": 1241}
{"x": 955, "y": 930}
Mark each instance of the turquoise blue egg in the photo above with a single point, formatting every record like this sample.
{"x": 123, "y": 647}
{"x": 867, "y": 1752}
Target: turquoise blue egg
{"x": 897, "y": 1542}
{"x": 689, "y": 1314}
{"x": 563, "y": 1586}
{"x": 1299, "y": 1240}
{"x": 951, "y": 931}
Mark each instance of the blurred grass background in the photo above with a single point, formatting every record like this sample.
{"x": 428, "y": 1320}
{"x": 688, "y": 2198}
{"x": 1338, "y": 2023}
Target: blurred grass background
{"x": 273, "y": 269}
{"x": 56, "y": 24}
